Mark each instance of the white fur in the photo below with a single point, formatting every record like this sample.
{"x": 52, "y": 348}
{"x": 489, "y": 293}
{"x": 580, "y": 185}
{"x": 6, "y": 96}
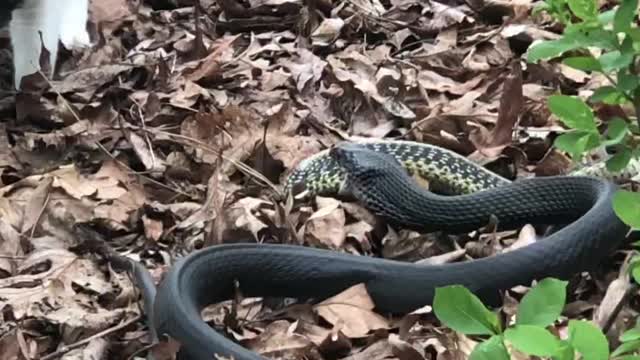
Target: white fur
{"x": 57, "y": 20}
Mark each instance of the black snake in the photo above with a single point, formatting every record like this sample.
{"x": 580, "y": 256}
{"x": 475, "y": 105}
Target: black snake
{"x": 371, "y": 173}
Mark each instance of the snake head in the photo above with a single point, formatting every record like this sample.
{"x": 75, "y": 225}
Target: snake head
{"x": 368, "y": 171}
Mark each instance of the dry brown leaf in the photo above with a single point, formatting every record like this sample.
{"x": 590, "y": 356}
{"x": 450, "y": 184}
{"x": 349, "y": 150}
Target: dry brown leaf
{"x": 33, "y": 210}
{"x": 359, "y": 231}
{"x": 431, "y": 80}
{"x": 153, "y": 228}
{"x": 242, "y": 215}
{"x": 210, "y": 67}
{"x": 60, "y": 283}
{"x": 327, "y": 31}
{"x": 526, "y": 237}
{"x": 280, "y": 340}
{"x": 9, "y": 346}
{"x": 326, "y": 226}
{"x": 491, "y": 144}
{"x": 351, "y": 312}
{"x": 403, "y": 350}
{"x": 616, "y": 292}
{"x": 10, "y": 249}
{"x": 109, "y": 13}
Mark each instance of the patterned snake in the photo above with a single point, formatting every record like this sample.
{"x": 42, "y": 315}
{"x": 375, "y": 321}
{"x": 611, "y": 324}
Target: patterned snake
{"x": 372, "y": 173}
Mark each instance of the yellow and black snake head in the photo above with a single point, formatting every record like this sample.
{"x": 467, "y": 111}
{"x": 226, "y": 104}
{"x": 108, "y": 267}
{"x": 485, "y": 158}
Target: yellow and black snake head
{"x": 367, "y": 170}
{"x": 362, "y": 163}
{"x": 445, "y": 171}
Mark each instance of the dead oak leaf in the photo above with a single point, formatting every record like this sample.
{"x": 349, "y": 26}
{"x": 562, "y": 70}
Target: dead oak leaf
{"x": 305, "y": 67}
{"x": 357, "y": 69}
{"x": 279, "y": 340}
{"x": 153, "y": 229}
{"x": 65, "y": 274}
{"x": 237, "y": 132}
{"x": 241, "y": 215}
{"x": 431, "y": 80}
{"x": 187, "y": 95}
{"x": 491, "y": 144}
{"x": 403, "y": 350}
{"x": 351, "y": 312}
{"x": 326, "y": 226}
{"x": 209, "y": 68}
{"x": 9, "y": 247}
{"x": 79, "y": 322}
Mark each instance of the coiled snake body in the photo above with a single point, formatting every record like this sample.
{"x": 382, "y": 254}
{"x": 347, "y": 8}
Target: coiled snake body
{"x": 372, "y": 175}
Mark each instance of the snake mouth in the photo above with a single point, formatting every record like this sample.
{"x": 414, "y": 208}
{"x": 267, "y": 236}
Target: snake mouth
{"x": 340, "y": 152}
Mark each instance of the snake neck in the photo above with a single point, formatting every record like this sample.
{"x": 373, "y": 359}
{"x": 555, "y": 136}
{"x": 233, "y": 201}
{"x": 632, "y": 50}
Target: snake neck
{"x": 552, "y": 200}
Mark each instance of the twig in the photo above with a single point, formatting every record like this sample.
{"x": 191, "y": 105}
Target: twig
{"x": 80, "y": 343}
{"x": 182, "y": 139}
{"x": 616, "y": 310}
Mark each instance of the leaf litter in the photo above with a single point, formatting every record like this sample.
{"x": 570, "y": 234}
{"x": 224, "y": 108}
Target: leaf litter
{"x": 177, "y": 128}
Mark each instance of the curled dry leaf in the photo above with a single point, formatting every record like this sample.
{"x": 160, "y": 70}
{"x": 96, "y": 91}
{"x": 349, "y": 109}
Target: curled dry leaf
{"x": 242, "y": 216}
{"x": 153, "y": 228}
{"x": 65, "y": 280}
{"x": 9, "y": 345}
{"x": 279, "y": 340}
{"x": 351, "y": 312}
{"x": 326, "y": 226}
{"x": 359, "y": 231}
{"x": 526, "y": 237}
{"x": 378, "y": 350}
{"x": 403, "y": 350}
{"x": 491, "y": 144}
{"x": 10, "y": 249}
{"x": 327, "y": 31}
{"x": 616, "y": 292}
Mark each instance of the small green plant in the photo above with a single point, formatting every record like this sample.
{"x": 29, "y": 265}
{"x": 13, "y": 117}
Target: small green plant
{"x": 606, "y": 43}
{"x": 459, "y": 309}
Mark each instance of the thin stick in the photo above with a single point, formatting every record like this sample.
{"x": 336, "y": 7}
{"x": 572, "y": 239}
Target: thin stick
{"x": 65, "y": 349}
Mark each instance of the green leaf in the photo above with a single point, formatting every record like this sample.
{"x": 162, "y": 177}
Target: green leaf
{"x": 629, "y": 357}
{"x": 540, "y": 7}
{"x": 551, "y": 48}
{"x": 635, "y": 273}
{"x": 492, "y": 349}
{"x": 606, "y": 17}
{"x": 589, "y": 35}
{"x": 615, "y": 60}
{"x": 532, "y": 340}
{"x": 625, "y": 14}
{"x": 619, "y": 161}
{"x": 631, "y": 334}
{"x": 575, "y": 36}
{"x": 584, "y": 9}
{"x": 626, "y": 347}
{"x": 626, "y": 204}
{"x": 573, "y": 112}
{"x": 565, "y": 352}
{"x": 585, "y": 63}
{"x": 608, "y": 95}
{"x": 576, "y": 143}
{"x": 456, "y": 307}
{"x": 626, "y": 81}
{"x": 617, "y": 130}
{"x": 543, "y": 304}
{"x": 588, "y": 340}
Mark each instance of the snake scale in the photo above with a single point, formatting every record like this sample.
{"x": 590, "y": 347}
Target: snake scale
{"x": 375, "y": 174}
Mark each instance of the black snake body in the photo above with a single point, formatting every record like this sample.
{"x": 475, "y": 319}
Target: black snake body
{"x": 381, "y": 184}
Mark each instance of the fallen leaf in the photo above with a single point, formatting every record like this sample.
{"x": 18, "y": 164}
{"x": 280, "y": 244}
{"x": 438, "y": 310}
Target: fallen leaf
{"x": 351, "y": 312}
{"x": 326, "y": 226}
